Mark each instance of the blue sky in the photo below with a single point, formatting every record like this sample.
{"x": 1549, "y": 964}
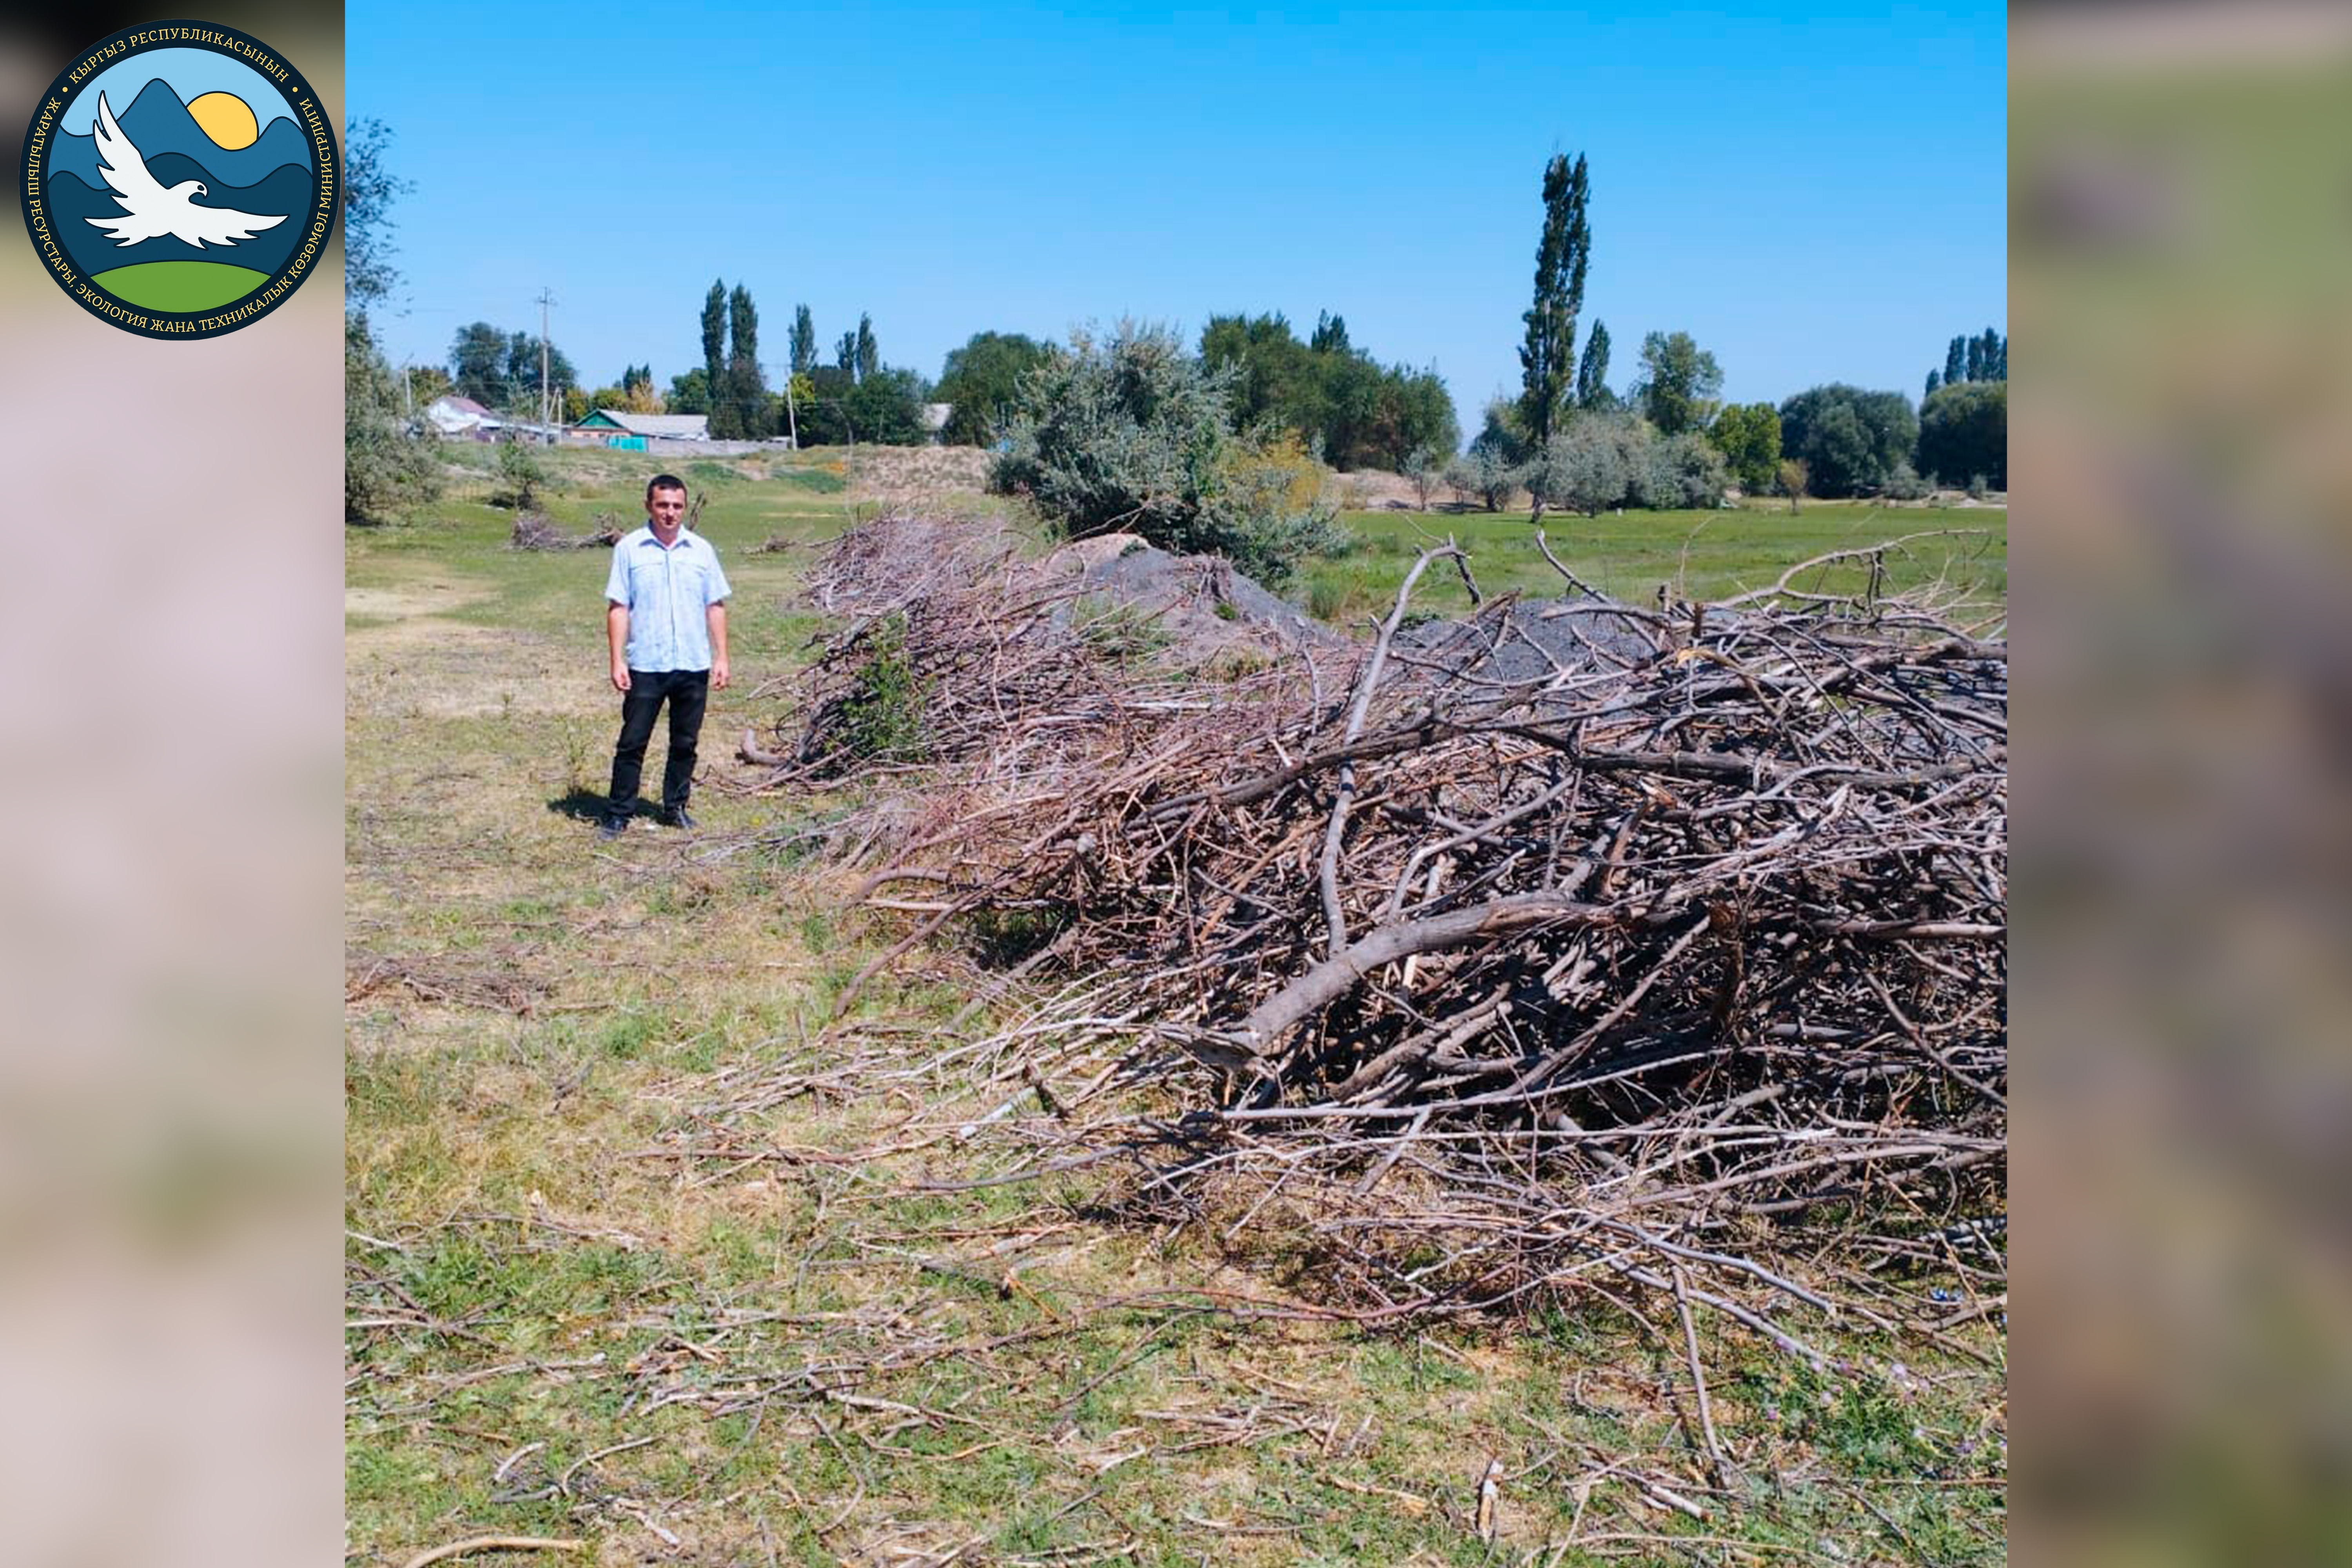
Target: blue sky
{"x": 192, "y": 73}
{"x": 1814, "y": 195}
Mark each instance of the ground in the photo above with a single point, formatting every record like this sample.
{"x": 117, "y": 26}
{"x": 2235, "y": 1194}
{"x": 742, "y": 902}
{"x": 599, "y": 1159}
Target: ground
{"x": 647, "y": 1251}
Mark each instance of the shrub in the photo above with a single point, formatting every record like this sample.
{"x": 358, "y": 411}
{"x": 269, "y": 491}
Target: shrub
{"x": 519, "y": 470}
{"x": 1905, "y": 484}
{"x": 1583, "y": 468}
{"x": 1682, "y": 472}
{"x": 1129, "y": 432}
{"x": 882, "y": 717}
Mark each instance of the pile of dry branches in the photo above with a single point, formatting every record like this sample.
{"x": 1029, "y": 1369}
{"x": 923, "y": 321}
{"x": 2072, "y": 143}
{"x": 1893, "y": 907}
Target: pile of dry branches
{"x": 1571, "y": 944}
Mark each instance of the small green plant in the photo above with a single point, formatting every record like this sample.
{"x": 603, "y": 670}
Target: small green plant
{"x": 1226, "y": 612}
{"x": 882, "y": 717}
{"x": 520, "y": 471}
{"x": 1118, "y": 632}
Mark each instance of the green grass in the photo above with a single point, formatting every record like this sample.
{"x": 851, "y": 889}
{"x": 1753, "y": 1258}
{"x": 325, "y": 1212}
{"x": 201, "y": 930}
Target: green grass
{"x": 524, "y": 1273}
{"x": 180, "y": 286}
{"x": 1696, "y": 555}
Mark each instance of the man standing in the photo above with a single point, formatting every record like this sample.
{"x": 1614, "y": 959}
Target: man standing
{"x": 666, "y": 620}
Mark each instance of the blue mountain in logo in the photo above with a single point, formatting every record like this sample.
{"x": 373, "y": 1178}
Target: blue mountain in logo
{"x": 158, "y": 123}
{"x": 288, "y": 189}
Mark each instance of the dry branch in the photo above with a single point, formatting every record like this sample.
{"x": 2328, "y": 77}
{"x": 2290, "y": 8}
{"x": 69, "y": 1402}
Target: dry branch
{"x": 1476, "y": 943}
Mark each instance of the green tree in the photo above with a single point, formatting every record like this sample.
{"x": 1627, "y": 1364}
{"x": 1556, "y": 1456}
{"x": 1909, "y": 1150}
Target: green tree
{"x": 1271, "y": 373}
{"x": 1330, "y": 335}
{"x": 637, "y": 378}
{"x": 1749, "y": 436}
{"x": 714, "y": 358}
{"x": 477, "y": 364}
{"x": 1592, "y": 370}
{"x": 388, "y": 463}
{"x": 981, "y": 382}
{"x": 747, "y": 388}
{"x": 845, "y": 355}
{"x": 1956, "y": 361}
{"x": 869, "y": 356}
{"x": 1547, "y": 359}
{"x": 523, "y": 372}
{"x": 1849, "y": 439}
{"x": 1935, "y": 379}
{"x": 886, "y": 407}
{"x": 1964, "y": 431}
{"x": 370, "y": 188}
{"x": 1131, "y": 432}
{"x": 1678, "y": 383}
{"x": 1795, "y": 481}
{"x": 690, "y": 392}
{"x": 803, "y": 341}
{"x": 425, "y": 384}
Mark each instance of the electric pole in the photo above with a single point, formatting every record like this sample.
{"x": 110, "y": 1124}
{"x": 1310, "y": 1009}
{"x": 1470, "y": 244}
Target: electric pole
{"x": 545, "y": 299}
{"x": 791, "y": 419}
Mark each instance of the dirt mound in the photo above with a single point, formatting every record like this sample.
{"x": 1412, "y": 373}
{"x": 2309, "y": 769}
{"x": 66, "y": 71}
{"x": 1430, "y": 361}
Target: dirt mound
{"x": 1196, "y": 606}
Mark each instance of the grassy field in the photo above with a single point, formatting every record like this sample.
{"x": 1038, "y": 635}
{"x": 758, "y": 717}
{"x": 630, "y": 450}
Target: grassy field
{"x": 626, "y": 1266}
{"x": 1693, "y": 554}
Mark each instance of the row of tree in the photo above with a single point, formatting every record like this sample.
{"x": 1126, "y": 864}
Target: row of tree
{"x": 1339, "y": 403}
{"x": 1984, "y": 357}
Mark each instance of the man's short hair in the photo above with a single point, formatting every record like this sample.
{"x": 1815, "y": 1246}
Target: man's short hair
{"x": 664, "y": 482}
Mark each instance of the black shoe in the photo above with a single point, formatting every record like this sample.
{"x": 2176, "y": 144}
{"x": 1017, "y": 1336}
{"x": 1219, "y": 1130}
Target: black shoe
{"x": 612, "y": 827}
{"x": 676, "y": 817}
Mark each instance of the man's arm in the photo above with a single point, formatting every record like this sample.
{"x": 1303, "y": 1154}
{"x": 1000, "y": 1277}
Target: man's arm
{"x": 616, "y": 633}
{"x": 717, "y": 617}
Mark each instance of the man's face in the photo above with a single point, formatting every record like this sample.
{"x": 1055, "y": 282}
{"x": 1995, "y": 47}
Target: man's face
{"x": 666, "y": 508}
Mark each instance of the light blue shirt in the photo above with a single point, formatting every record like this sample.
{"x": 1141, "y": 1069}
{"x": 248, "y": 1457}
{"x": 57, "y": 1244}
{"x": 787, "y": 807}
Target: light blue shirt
{"x": 668, "y": 593}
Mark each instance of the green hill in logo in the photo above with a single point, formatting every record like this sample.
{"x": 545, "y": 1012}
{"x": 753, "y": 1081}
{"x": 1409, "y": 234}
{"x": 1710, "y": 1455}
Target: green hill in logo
{"x": 180, "y": 286}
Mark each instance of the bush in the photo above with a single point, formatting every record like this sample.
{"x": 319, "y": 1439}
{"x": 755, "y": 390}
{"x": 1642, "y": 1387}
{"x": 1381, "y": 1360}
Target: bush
{"x": 882, "y": 717}
{"x": 1905, "y": 484}
{"x": 519, "y": 469}
{"x": 1484, "y": 472}
{"x": 1130, "y": 432}
{"x": 1682, "y": 472}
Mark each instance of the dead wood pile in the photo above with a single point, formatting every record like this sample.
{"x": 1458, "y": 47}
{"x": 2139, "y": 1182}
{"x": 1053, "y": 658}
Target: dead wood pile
{"x": 1572, "y": 943}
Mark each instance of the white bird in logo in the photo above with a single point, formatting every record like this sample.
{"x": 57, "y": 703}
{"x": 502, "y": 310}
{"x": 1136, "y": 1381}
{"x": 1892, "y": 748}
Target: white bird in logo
{"x": 155, "y": 211}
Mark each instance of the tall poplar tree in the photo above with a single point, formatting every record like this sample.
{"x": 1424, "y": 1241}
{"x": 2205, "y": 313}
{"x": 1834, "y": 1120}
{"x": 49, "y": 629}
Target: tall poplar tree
{"x": 1592, "y": 370}
{"x": 803, "y": 341}
{"x": 714, "y": 356}
{"x": 746, "y": 388}
{"x": 1548, "y": 357}
{"x": 869, "y": 356}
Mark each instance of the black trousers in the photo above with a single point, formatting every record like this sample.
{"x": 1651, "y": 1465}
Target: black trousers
{"x": 686, "y": 692}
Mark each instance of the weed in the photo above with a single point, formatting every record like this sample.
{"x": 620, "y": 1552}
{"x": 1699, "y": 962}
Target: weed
{"x": 882, "y": 718}
{"x": 1116, "y": 630}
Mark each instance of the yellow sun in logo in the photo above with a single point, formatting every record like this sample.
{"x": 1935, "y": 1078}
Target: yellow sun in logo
{"x": 226, "y": 119}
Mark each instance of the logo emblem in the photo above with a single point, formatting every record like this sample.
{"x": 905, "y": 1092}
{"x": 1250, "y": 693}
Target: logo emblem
{"x": 181, "y": 180}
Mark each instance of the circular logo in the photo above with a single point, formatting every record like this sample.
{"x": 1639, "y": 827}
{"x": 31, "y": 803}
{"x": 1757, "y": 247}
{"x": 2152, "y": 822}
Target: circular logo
{"x": 181, "y": 180}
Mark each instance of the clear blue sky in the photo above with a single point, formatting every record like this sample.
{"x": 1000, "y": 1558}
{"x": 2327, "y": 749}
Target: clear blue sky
{"x": 1815, "y": 194}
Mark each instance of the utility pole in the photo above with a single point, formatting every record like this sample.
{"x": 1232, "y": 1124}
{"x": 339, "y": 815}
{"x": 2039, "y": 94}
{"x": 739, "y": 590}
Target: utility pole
{"x": 791, "y": 419}
{"x": 545, "y": 299}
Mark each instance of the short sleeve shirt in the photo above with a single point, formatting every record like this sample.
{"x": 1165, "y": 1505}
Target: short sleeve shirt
{"x": 668, "y": 593}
